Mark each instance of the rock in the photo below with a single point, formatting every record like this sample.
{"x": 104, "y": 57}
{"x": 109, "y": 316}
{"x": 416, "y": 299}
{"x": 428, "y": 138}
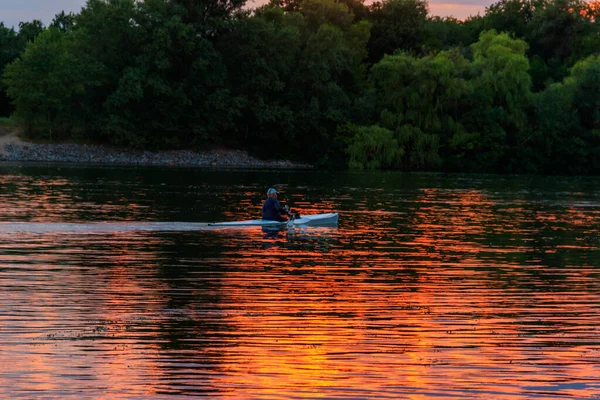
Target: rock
{"x": 17, "y": 150}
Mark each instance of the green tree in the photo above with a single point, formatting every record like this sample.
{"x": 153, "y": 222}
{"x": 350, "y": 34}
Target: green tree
{"x": 585, "y": 81}
{"x": 567, "y": 121}
{"x": 512, "y": 16}
{"x": 10, "y": 48}
{"x": 397, "y": 25}
{"x": 555, "y": 27}
{"x": 329, "y": 74}
{"x": 28, "y": 31}
{"x": 152, "y": 75}
{"x": 105, "y": 35}
{"x": 173, "y": 94}
{"x": 559, "y": 33}
{"x": 46, "y": 84}
{"x": 501, "y": 97}
{"x": 556, "y": 139}
{"x": 261, "y": 56}
{"x": 209, "y": 17}
{"x": 296, "y": 74}
{"x": 83, "y": 65}
{"x": 63, "y": 22}
{"x": 448, "y": 32}
{"x": 373, "y": 147}
{"x": 420, "y": 99}
{"x": 356, "y": 7}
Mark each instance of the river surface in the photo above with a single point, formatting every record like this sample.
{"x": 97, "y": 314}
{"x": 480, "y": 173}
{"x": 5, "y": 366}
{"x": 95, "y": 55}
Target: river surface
{"x": 449, "y": 286}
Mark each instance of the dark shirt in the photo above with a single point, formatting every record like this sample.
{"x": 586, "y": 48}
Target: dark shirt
{"x": 272, "y": 210}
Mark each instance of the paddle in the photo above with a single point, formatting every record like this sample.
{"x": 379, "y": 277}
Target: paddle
{"x": 290, "y": 222}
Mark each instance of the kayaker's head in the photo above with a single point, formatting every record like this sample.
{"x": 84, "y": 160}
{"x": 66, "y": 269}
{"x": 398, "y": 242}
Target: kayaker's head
{"x": 272, "y": 192}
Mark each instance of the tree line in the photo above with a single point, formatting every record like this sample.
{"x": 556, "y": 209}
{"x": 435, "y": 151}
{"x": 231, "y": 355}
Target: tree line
{"x": 330, "y": 82}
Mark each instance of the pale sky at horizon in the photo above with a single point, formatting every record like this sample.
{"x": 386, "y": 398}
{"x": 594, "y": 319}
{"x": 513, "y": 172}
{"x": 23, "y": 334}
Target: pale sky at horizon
{"x": 14, "y": 11}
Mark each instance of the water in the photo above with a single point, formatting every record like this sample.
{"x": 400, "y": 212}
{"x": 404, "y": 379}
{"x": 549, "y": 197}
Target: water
{"x": 452, "y": 286}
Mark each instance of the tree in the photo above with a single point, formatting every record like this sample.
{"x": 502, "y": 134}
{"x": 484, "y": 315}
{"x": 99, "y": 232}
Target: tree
{"x": 261, "y": 56}
{"x": 501, "y": 98}
{"x": 559, "y": 33}
{"x": 556, "y": 131}
{"x": 173, "y": 94}
{"x": 210, "y": 17}
{"x": 64, "y": 79}
{"x": 373, "y": 147}
{"x": 420, "y": 100}
{"x": 567, "y": 121}
{"x": 9, "y": 45}
{"x": 10, "y": 48}
{"x": 296, "y": 74}
{"x": 585, "y": 83}
{"x": 555, "y": 28}
{"x": 500, "y": 66}
{"x": 397, "y": 25}
{"x": 141, "y": 74}
{"x": 447, "y": 33}
{"x": 356, "y": 7}
{"x": 46, "y": 83}
{"x": 512, "y": 16}
{"x": 28, "y": 31}
{"x": 63, "y": 22}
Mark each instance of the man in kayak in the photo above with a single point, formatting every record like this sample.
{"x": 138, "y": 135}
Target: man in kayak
{"x": 272, "y": 210}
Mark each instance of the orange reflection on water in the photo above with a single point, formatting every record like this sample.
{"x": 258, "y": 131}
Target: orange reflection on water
{"x": 81, "y": 327}
{"x": 453, "y": 294}
{"x": 313, "y": 330}
{"x": 421, "y": 318}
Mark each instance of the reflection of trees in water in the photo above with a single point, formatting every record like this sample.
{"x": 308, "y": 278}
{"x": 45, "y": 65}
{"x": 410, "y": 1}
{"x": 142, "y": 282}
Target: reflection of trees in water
{"x": 273, "y": 233}
{"x": 117, "y": 193}
{"x": 420, "y": 269}
{"x": 208, "y": 278}
{"x": 188, "y": 288}
{"x": 310, "y": 238}
{"x": 196, "y": 271}
{"x": 559, "y": 238}
{"x": 516, "y": 231}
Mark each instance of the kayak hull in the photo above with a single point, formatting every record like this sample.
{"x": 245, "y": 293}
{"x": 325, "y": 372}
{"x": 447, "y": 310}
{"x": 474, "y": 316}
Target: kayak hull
{"x": 317, "y": 219}
{"x": 304, "y": 220}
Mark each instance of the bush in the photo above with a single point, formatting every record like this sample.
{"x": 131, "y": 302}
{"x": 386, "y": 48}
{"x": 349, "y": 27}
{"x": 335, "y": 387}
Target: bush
{"x": 373, "y": 147}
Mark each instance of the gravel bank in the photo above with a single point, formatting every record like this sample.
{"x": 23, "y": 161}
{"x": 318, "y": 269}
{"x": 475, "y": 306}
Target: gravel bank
{"x": 14, "y": 149}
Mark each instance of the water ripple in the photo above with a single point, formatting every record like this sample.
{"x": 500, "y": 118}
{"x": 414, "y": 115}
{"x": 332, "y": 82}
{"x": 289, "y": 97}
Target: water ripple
{"x": 480, "y": 287}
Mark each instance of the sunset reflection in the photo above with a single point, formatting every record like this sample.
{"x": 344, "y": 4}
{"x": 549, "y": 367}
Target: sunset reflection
{"x": 428, "y": 287}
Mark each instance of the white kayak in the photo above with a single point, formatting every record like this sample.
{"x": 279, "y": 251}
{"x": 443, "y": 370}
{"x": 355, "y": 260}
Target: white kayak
{"x": 304, "y": 220}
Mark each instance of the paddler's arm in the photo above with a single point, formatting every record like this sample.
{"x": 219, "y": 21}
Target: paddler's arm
{"x": 280, "y": 209}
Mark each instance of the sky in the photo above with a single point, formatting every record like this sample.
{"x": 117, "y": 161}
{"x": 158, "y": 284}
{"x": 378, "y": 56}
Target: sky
{"x": 14, "y": 11}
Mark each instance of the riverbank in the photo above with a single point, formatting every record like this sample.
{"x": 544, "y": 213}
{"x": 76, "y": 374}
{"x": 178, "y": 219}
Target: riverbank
{"x": 13, "y": 148}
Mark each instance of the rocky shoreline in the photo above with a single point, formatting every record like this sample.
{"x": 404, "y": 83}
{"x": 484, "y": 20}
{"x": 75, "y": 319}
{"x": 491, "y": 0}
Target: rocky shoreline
{"x": 13, "y": 149}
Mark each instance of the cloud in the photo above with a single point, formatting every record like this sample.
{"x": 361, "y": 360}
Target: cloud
{"x": 459, "y": 3}
{"x": 14, "y": 11}
{"x": 443, "y": 8}
{"x": 460, "y": 11}
{"x": 458, "y": 8}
